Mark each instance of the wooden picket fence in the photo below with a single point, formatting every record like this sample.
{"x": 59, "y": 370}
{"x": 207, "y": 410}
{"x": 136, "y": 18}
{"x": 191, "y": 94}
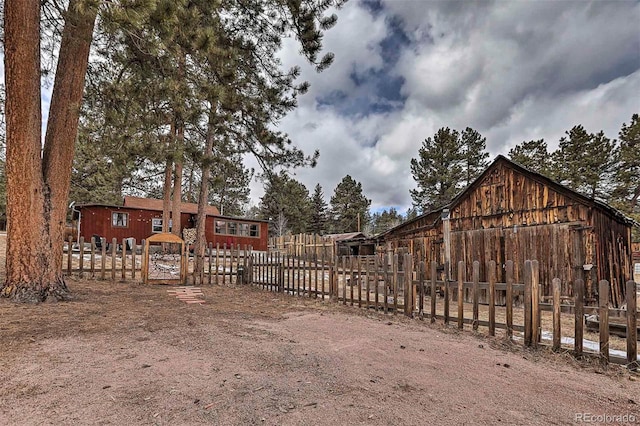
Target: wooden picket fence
{"x": 122, "y": 260}
{"x": 388, "y": 284}
{"x": 392, "y": 284}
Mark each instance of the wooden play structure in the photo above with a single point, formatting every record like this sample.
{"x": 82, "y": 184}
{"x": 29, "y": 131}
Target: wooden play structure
{"x": 164, "y": 260}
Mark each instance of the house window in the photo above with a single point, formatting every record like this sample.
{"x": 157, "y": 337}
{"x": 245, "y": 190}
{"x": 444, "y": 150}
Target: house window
{"x": 156, "y": 224}
{"x": 232, "y": 228}
{"x": 244, "y": 230}
{"x": 254, "y": 231}
{"x": 221, "y": 227}
{"x": 119, "y": 219}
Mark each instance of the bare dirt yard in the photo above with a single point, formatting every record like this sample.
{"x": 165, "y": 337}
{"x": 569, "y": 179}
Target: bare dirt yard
{"x": 125, "y": 354}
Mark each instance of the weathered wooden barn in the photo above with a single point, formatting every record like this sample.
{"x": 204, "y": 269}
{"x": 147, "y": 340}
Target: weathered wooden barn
{"x": 140, "y": 218}
{"x": 511, "y": 213}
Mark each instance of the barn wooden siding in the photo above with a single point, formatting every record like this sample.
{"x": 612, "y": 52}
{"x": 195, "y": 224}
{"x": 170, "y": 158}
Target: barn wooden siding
{"x": 509, "y": 213}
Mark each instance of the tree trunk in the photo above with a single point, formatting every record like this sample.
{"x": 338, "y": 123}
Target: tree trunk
{"x": 201, "y": 238}
{"x": 27, "y": 236}
{"x": 176, "y": 206}
{"x": 62, "y": 124}
{"x": 166, "y": 195}
{"x": 37, "y": 189}
{"x": 190, "y": 197}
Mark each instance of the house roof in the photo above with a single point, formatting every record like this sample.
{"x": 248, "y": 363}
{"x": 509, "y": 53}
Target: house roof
{"x": 155, "y": 204}
{"x": 500, "y": 159}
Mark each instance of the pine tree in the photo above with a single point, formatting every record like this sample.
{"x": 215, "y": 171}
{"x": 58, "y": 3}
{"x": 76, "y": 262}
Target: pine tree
{"x": 385, "y": 220}
{"x": 318, "y": 224}
{"x": 438, "y": 171}
{"x": 627, "y": 174}
{"x": 411, "y": 213}
{"x": 286, "y": 201}
{"x": 532, "y": 155}
{"x": 584, "y": 162}
{"x": 349, "y": 207}
{"x": 474, "y": 155}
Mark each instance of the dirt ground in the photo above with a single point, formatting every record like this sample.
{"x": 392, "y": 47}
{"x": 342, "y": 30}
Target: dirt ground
{"x": 124, "y": 353}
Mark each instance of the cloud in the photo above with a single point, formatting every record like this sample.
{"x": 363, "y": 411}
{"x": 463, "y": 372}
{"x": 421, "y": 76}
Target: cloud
{"x": 514, "y": 71}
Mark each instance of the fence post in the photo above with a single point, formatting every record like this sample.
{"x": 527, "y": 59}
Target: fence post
{"x": 144, "y": 268}
{"x": 210, "y": 249}
{"x": 535, "y": 303}
{"x": 103, "y": 257}
{"x": 632, "y": 325}
{"x": 124, "y": 259}
{"x": 461, "y": 271}
{"x": 492, "y": 298}
{"x": 114, "y": 248}
{"x": 527, "y": 303}
{"x": 217, "y": 262}
{"x": 323, "y": 266}
{"x": 69, "y": 254}
{"x": 93, "y": 257}
{"x": 395, "y": 283}
{"x": 367, "y": 287}
{"x": 578, "y": 288}
{"x": 556, "y": 314}
{"x": 422, "y": 272}
{"x": 344, "y": 280}
{"x": 250, "y": 267}
{"x": 434, "y": 275}
{"x": 331, "y": 282}
{"x": 476, "y": 294}
{"x": 359, "y": 281}
{"x": 385, "y": 290}
{"x": 376, "y": 280}
{"x": 509, "y": 282}
{"x": 446, "y": 292}
{"x": 81, "y": 259}
{"x": 408, "y": 280}
{"x": 134, "y": 250}
{"x": 603, "y": 318}
{"x": 315, "y": 269}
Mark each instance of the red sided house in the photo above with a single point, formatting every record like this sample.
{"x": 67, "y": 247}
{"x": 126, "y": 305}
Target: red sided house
{"x": 140, "y": 218}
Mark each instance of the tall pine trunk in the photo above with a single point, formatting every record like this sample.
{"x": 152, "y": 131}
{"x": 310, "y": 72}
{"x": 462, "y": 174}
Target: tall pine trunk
{"x": 64, "y": 114}
{"x": 201, "y": 238}
{"x": 37, "y": 189}
{"x": 176, "y": 206}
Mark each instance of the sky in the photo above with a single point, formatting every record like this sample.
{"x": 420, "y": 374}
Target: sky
{"x": 512, "y": 70}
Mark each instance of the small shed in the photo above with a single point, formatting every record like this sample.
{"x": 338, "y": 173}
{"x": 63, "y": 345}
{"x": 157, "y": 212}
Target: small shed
{"x": 512, "y": 213}
{"x": 352, "y": 244}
